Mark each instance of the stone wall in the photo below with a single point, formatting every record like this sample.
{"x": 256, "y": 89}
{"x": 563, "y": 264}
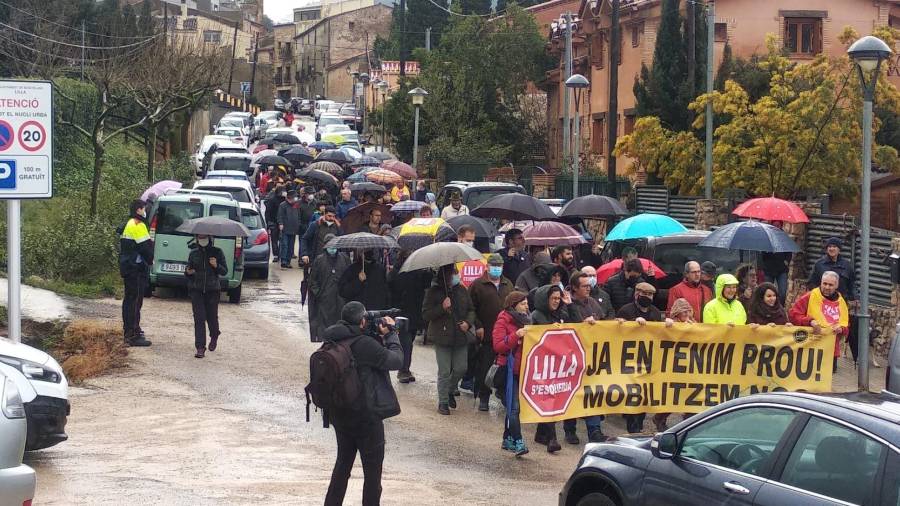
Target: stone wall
{"x": 711, "y": 213}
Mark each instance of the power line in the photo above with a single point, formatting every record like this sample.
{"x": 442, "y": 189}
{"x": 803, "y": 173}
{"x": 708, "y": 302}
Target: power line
{"x": 35, "y": 16}
{"x": 63, "y": 57}
{"x": 79, "y": 46}
{"x": 439, "y": 6}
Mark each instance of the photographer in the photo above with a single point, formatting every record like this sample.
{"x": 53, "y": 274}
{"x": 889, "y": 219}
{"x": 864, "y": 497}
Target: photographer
{"x": 363, "y": 431}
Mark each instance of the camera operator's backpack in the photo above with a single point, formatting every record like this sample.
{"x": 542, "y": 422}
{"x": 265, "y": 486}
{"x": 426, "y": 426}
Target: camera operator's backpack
{"x": 334, "y": 384}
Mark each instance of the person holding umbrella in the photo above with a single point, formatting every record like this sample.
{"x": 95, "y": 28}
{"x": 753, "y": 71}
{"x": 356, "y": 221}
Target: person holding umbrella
{"x": 366, "y": 281}
{"x": 205, "y": 264}
{"x": 448, "y": 310}
{"x": 325, "y": 301}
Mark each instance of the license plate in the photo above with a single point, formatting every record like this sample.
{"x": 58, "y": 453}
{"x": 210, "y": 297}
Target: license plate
{"x": 173, "y": 267}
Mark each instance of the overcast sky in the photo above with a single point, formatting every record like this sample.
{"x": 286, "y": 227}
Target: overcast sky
{"x": 282, "y": 11}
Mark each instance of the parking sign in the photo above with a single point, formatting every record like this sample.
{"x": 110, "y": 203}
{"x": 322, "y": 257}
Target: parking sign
{"x": 26, "y": 139}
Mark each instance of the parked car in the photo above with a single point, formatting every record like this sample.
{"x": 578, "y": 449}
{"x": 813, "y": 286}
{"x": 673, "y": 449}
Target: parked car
{"x": 327, "y": 119}
{"x": 241, "y": 191}
{"x": 767, "y": 450}
{"x": 278, "y": 104}
{"x": 475, "y": 193}
{"x": 305, "y": 107}
{"x": 233, "y": 133}
{"x": 271, "y": 118}
{"x": 670, "y": 253}
{"x": 239, "y": 175}
{"x": 17, "y": 481}
{"x": 44, "y": 390}
{"x": 351, "y": 116}
{"x": 230, "y": 161}
{"x": 336, "y": 128}
{"x": 257, "y": 251}
{"x": 242, "y": 123}
{"x": 203, "y": 146}
{"x": 219, "y": 147}
{"x": 320, "y": 107}
{"x": 171, "y": 248}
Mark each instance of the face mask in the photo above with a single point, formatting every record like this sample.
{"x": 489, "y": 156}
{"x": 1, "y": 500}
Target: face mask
{"x": 204, "y": 242}
{"x": 331, "y": 251}
{"x": 454, "y": 280}
{"x": 495, "y": 271}
{"x": 329, "y": 222}
{"x": 284, "y": 194}
{"x": 592, "y": 280}
{"x": 644, "y": 302}
{"x": 560, "y": 285}
{"x": 468, "y": 243}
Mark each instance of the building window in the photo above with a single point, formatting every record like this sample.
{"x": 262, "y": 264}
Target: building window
{"x": 597, "y": 56}
{"x": 212, "y": 36}
{"x": 637, "y": 33}
{"x": 629, "y": 124}
{"x": 598, "y": 133}
{"x": 352, "y": 25}
{"x": 190, "y": 24}
{"x": 803, "y": 36}
{"x": 721, "y": 32}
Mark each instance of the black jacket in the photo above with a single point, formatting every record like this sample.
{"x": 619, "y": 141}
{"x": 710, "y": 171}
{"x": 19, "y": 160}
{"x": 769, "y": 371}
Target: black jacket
{"x": 373, "y": 293}
{"x": 847, "y": 282}
{"x": 373, "y": 361}
{"x": 542, "y": 314}
{"x": 620, "y": 290}
{"x": 515, "y": 265}
{"x": 631, "y": 312}
{"x": 407, "y": 293}
{"x": 273, "y": 201}
{"x": 205, "y": 278}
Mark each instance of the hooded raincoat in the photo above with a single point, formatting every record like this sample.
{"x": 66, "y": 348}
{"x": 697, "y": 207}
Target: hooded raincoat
{"x": 720, "y": 310}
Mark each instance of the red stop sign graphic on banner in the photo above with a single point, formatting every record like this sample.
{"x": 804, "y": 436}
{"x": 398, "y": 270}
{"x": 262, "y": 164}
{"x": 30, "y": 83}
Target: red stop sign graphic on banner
{"x": 553, "y": 370}
{"x": 471, "y": 270}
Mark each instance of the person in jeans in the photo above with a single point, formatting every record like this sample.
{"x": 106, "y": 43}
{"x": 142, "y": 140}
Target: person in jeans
{"x": 448, "y": 310}
{"x": 488, "y": 293}
{"x": 205, "y": 264}
{"x": 289, "y": 226}
{"x": 506, "y": 337}
{"x": 357, "y": 432}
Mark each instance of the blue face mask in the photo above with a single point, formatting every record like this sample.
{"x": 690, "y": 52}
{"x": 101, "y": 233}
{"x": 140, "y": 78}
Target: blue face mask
{"x": 495, "y": 271}
{"x": 592, "y": 280}
{"x": 454, "y": 280}
{"x": 331, "y": 251}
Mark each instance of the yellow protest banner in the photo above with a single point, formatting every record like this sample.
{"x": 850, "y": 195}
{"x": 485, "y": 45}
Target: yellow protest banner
{"x": 576, "y": 370}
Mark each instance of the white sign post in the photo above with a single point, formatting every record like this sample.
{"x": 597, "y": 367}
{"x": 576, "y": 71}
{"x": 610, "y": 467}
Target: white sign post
{"x": 26, "y": 170}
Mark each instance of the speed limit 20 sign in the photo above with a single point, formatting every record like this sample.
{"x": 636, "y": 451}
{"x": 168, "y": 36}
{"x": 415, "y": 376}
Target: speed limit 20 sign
{"x": 26, "y": 139}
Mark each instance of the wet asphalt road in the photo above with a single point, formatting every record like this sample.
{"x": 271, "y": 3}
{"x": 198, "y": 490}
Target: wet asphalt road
{"x": 231, "y": 429}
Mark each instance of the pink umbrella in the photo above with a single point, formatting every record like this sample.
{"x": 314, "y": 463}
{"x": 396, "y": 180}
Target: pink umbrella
{"x": 398, "y": 167}
{"x": 551, "y": 233}
{"x": 515, "y": 224}
{"x": 160, "y": 188}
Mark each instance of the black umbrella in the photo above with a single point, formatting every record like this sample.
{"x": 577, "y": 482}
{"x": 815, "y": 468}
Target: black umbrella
{"x": 335, "y": 155}
{"x": 365, "y": 161}
{"x": 319, "y": 177}
{"x": 514, "y": 206}
{"x": 367, "y": 187}
{"x": 363, "y": 240}
{"x": 280, "y": 139}
{"x": 593, "y": 206}
{"x": 483, "y": 228}
{"x": 297, "y": 154}
{"x": 274, "y": 160}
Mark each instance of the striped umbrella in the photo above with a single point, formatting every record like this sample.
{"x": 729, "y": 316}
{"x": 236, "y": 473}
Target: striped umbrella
{"x": 419, "y": 232}
{"x": 551, "y": 233}
{"x": 383, "y": 176}
{"x": 402, "y": 169}
{"x": 329, "y": 167}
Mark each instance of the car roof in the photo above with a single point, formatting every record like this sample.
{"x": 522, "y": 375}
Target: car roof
{"x": 223, "y": 182}
{"x": 683, "y": 237}
{"x": 238, "y": 113}
{"x": 213, "y": 173}
{"x": 248, "y": 206}
{"x": 214, "y": 138}
{"x": 186, "y": 197}
{"x": 231, "y": 154}
{"x": 481, "y": 184}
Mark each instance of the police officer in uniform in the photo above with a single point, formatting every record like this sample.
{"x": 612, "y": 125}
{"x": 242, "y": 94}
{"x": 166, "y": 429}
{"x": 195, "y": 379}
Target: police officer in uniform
{"x": 135, "y": 258}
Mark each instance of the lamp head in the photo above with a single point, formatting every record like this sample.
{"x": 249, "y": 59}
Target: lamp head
{"x": 418, "y": 95}
{"x": 868, "y": 51}
{"x": 364, "y": 77}
{"x": 355, "y": 74}
{"x": 577, "y": 81}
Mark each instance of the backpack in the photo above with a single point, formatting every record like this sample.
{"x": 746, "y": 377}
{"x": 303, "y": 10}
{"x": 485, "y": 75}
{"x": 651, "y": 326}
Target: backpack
{"x": 334, "y": 383}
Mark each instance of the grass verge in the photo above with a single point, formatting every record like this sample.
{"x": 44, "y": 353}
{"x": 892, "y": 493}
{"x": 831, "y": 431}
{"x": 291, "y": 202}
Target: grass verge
{"x": 108, "y": 285}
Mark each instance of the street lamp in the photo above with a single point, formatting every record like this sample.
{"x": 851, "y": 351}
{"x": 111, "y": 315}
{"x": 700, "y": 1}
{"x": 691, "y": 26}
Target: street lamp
{"x": 868, "y": 53}
{"x": 418, "y": 98}
{"x": 383, "y": 88}
{"x": 354, "y": 75}
{"x": 577, "y": 83}
{"x": 364, "y": 79}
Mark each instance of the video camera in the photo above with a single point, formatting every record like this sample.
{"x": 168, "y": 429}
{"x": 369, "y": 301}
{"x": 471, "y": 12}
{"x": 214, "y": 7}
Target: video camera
{"x": 376, "y": 318}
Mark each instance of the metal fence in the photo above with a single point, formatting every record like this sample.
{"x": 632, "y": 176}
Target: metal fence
{"x": 651, "y": 199}
{"x": 684, "y": 209}
{"x": 589, "y": 186}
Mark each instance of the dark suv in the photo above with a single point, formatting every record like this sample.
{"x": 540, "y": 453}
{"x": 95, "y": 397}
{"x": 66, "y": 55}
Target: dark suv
{"x": 770, "y": 449}
{"x": 475, "y": 193}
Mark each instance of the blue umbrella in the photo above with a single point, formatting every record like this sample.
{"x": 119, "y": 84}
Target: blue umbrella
{"x": 750, "y": 236}
{"x": 323, "y": 145}
{"x": 645, "y": 225}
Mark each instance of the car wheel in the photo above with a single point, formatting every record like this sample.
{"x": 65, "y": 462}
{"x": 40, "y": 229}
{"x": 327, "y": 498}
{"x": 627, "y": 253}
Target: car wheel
{"x": 148, "y": 292}
{"x": 596, "y": 499}
{"x": 234, "y": 295}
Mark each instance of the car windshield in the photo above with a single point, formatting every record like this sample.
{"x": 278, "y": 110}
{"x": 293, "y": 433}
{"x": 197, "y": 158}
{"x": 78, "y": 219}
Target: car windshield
{"x": 229, "y": 132}
{"x": 337, "y": 128}
{"x": 329, "y": 120}
{"x": 221, "y": 175}
{"x": 170, "y": 215}
{"x": 232, "y": 164}
{"x": 232, "y": 122}
{"x": 239, "y": 194}
{"x": 251, "y": 219}
{"x": 229, "y": 212}
{"x": 672, "y": 257}
{"x": 349, "y": 111}
{"x": 477, "y": 197}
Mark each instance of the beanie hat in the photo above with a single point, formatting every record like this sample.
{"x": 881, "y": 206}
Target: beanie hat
{"x": 833, "y": 241}
{"x": 709, "y": 268}
{"x": 680, "y": 306}
{"x": 514, "y": 298}
{"x": 353, "y": 312}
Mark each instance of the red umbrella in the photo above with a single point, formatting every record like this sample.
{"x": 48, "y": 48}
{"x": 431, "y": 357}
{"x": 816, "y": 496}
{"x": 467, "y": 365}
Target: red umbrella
{"x": 551, "y": 233}
{"x": 607, "y": 270}
{"x": 400, "y": 168}
{"x": 771, "y": 209}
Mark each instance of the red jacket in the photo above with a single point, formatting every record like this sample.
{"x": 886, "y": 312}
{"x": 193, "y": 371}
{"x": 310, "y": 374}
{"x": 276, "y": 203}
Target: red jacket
{"x": 697, "y": 297}
{"x": 505, "y": 340}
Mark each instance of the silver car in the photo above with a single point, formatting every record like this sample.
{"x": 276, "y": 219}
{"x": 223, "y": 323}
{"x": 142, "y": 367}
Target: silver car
{"x": 17, "y": 480}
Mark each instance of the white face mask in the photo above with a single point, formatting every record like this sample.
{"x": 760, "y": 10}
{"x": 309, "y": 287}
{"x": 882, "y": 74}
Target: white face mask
{"x": 203, "y": 241}
{"x": 469, "y": 243}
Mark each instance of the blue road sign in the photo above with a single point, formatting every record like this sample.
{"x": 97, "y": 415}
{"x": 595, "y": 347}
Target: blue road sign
{"x": 7, "y": 174}
{"x": 7, "y": 135}
{"x": 245, "y": 86}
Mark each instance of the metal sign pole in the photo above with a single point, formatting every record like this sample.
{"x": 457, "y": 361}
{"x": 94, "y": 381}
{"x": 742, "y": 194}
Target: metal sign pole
{"x": 14, "y": 269}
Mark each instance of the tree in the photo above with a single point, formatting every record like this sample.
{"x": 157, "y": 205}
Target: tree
{"x": 803, "y": 136}
{"x": 421, "y": 14}
{"x": 475, "y": 6}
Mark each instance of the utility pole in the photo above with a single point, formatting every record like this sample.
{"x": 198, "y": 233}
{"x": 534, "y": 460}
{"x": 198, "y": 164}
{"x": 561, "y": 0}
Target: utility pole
{"x": 691, "y": 47}
{"x": 233, "y": 53}
{"x": 82, "y": 50}
{"x": 710, "y": 54}
{"x": 165, "y": 23}
{"x": 567, "y": 143}
{"x": 255, "y": 59}
{"x": 402, "y": 39}
{"x": 612, "y": 109}
{"x": 428, "y": 39}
